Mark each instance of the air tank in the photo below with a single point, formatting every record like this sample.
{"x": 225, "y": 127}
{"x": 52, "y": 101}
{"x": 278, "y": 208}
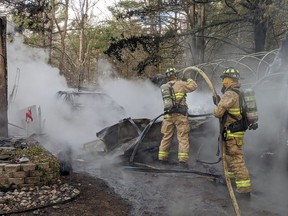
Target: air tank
{"x": 167, "y": 97}
{"x": 250, "y": 99}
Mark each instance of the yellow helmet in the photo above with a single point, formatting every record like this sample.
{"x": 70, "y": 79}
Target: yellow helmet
{"x": 231, "y": 72}
{"x": 170, "y": 72}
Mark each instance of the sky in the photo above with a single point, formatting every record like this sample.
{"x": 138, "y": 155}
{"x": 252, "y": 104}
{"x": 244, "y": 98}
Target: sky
{"x": 100, "y": 10}
{"x": 102, "y": 5}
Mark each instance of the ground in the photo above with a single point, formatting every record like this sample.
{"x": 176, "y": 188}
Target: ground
{"x": 96, "y": 199}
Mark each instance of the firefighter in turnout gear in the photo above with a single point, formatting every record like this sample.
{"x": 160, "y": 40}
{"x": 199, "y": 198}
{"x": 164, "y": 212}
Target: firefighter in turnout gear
{"x": 176, "y": 118}
{"x": 229, "y": 112}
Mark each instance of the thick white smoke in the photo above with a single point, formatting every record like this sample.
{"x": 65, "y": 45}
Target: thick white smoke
{"x": 39, "y": 83}
{"x": 34, "y": 82}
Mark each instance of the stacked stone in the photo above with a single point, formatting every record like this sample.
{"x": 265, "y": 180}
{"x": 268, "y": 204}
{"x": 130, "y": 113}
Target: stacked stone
{"x": 27, "y": 182}
{"x": 6, "y": 153}
{"x": 26, "y": 175}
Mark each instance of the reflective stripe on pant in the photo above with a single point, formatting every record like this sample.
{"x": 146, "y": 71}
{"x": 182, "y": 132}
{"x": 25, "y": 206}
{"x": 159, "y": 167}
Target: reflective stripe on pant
{"x": 243, "y": 184}
{"x": 163, "y": 155}
{"x": 183, "y": 157}
{"x": 236, "y": 162}
{"x": 180, "y": 123}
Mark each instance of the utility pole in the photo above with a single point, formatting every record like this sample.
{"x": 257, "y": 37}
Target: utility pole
{"x": 3, "y": 80}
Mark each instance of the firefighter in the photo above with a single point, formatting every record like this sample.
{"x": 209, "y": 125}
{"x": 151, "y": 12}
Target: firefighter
{"x": 176, "y": 119}
{"x": 228, "y": 111}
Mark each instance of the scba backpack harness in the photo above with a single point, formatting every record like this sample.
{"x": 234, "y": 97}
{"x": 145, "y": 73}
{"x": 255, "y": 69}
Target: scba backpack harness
{"x": 169, "y": 100}
{"x": 248, "y": 110}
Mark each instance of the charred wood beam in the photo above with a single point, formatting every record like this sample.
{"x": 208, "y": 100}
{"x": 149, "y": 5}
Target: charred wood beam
{"x": 3, "y": 79}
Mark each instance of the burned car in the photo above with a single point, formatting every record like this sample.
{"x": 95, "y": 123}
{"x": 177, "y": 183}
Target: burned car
{"x": 138, "y": 139}
{"x": 89, "y": 99}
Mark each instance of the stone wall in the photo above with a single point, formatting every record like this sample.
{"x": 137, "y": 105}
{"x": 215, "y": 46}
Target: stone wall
{"x": 26, "y": 175}
{"x": 26, "y": 163}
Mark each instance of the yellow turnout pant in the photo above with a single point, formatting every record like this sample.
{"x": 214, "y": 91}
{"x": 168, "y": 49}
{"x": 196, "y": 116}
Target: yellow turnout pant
{"x": 171, "y": 123}
{"x": 236, "y": 162}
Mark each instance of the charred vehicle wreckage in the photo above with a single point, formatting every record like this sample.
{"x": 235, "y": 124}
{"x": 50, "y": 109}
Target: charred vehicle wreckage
{"x": 136, "y": 141}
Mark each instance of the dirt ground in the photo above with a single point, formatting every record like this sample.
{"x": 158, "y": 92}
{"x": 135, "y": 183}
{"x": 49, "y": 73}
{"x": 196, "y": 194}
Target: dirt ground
{"x": 110, "y": 187}
{"x": 95, "y": 198}
{"x": 159, "y": 194}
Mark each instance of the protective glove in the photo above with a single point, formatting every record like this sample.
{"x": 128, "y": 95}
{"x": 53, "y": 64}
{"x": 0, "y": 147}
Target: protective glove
{"x": 253, "y": 126}
{"x": 214, "y": 99}
{"x": 189, "y": 80}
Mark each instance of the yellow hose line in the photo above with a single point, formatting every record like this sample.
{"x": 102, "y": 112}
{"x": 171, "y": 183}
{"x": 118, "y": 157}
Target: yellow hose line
{"x": 204, "y": 76}
{"x": 228, "y": 181}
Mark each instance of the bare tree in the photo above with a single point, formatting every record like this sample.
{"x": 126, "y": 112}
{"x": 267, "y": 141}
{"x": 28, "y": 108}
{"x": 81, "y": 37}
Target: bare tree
{"x": 83, "y": 11}
{"x": 62, "y": 29}
{"x": 196, "y": 20}
{"x": 260, "y": 14}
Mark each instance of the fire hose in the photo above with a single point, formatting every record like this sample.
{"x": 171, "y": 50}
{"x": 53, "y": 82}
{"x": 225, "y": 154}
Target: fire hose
{"x": 147, "y": 128}
{"x": 228, "y": 181}
{"x": 148, "y": 168}
{"x": 141, "y": 137}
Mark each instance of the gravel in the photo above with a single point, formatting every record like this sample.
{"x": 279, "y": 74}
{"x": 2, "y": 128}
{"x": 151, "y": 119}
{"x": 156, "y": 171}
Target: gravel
{"x": 27, "y": 199}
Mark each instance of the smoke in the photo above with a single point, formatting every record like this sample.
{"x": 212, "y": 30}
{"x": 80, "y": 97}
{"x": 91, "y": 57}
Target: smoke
{"x": 140, "y": 98}
{"x": 32, "y": 82}
{"x": 266, "y": 148}
{"x": 35, "y": 84}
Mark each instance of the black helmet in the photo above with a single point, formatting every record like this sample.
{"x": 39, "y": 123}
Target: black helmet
{"x": 231, "y": 72}
{"x": 170, "y": 72}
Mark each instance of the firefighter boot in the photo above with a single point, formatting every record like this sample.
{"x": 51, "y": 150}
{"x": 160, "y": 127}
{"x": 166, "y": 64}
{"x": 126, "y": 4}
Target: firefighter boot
{"x": 244, "y": 196}
{"x": 183, "y": 165}
{"x": 244, "y": 193}
{"x": 162, "y": 163}
{"x": 243, "y": 190}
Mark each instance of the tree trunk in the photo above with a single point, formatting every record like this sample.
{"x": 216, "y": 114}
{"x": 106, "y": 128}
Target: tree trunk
{"x": 260, "y": 29}
{"x": 50, "y": 39}
{"x": 3, "y": 80}
{"x": 192, "y": 21}
{"x": 201, "y": 40}
{"x": 62, "y": 30}
{"x": 81, "y": 68}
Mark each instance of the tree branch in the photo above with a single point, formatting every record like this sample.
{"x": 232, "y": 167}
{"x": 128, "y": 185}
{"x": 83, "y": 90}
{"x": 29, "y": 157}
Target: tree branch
{"x": 231, "y": 6}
